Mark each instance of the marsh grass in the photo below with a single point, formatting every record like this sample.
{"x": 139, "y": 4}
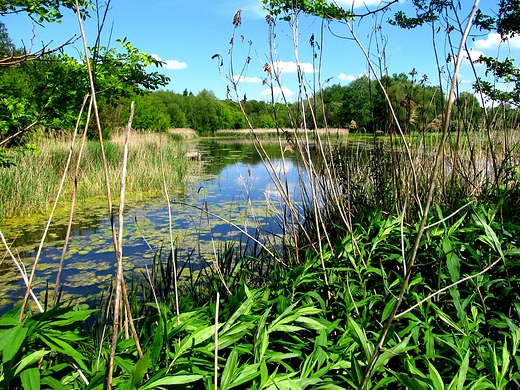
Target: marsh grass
{"x": 30, "y": 186}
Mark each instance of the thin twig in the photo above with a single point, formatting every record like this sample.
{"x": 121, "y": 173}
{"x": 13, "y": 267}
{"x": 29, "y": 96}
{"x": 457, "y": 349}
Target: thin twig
{"x": 22, "y": 271}
{"x": 119, "y": 253}
{"x": 73, "y": 198}
{"x": 449, "y": 216}
{"x": 215, "y": 381}
{"x": 438, "y": 292}
{"x": 209, "y": 213}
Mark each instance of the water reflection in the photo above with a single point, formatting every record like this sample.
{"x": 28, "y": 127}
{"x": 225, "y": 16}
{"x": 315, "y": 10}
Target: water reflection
{"x": 233, "y": 184}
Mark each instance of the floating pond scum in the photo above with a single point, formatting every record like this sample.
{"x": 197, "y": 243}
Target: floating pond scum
{"x": 234, "y": 186}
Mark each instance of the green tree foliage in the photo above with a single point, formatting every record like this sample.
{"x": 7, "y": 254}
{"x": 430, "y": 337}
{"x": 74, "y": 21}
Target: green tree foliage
{"x": 41, "y": 11}
{"x": 505, "y": 21}
{"x": 48, "y": 91}
{"x": 321, "y": 8}
{"x": 361, "y": 104}
{"x": 6, "y": 45}
{"x": 150, "y": 114}
{"x": 468, "y": 111}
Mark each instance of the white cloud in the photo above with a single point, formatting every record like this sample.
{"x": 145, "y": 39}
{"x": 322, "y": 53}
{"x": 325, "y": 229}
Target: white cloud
{"x": 473, "y": 55}
{"x": 277, "y": 92}
{"x": 291, "y": 67}
{"x": 171, "y": 64}
{"x": 493, "y": 41}
{"x": 247, "y": 79}
{"x": 347, "y": 77}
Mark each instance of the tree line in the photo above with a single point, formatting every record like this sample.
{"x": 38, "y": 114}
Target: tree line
{"x": 46, "y": 90}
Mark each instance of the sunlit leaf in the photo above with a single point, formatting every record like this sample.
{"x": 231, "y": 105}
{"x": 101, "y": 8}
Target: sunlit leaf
{"x": 171, "y": 380}
{"x": 30, "y": 379}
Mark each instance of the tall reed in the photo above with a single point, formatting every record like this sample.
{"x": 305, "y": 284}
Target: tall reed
{"x": 30, "y": 185}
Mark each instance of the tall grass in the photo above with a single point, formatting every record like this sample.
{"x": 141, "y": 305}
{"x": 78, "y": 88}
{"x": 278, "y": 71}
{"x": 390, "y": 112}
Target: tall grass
{"x": 30, "y": 185}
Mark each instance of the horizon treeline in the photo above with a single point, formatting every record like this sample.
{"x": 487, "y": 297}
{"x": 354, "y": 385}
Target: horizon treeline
{"x": 360, "y": 106}
{"x": 47, "y": 93}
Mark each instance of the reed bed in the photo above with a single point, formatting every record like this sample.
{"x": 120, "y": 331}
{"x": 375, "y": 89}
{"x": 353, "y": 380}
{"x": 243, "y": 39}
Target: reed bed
{"x": 30, "y": 185}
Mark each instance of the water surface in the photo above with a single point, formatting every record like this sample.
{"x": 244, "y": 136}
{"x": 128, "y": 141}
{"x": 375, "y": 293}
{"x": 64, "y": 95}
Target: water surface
{"x": 232, "y": 183}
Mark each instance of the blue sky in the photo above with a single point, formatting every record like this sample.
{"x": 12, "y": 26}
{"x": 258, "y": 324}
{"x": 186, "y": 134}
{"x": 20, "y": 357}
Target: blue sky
{"x": 186, "y": 34}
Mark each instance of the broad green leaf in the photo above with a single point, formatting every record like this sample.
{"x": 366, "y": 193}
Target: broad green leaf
{"x": 290, "y": 315}
{"x": 384, "y": 357}
{"x": 261, "y": 344}
{"x": 244, "y": 308}
{"x": 389, "y": 307}
{"x": 171, "y": 380}
{"x": 288, "y": 328}
{"x": 359, "y": 336}
{"x": 264, "y": 373}
{"x": 68, "y": 318}
{"x": 30, "y": 379}
{"x": 29, "y": 360}
{"x": 447, "y": 319}
{"x": 229, "y": 369}
{"x": 12, "y": 340}
{"x": 278, "y": 357}
{"x": 54, "y": 383}
{"x": 158, "y": 341}
{"x": 63, "y": 347}
{"x": 124, "y": 363}
{"x": 409, "y": 381}
{"x": 435, "y": 377}
{"x": 139, "y": 370}
{"x": 452, "y": 260}
{"x": 463, "y": 371}
{"x": 383, "y": 383}
{"x": 481, "y": 384}
{"x": 233, "y": 335}
{"x": 247, "y": 373}
{"x": 506, "y": 359}
{"x": 453, "y": 228}
{"x": 195, "y": 339}
{"x": 311, "y": 323}
{"x": 357, "y": 375}
{"x": 330, "y": 386}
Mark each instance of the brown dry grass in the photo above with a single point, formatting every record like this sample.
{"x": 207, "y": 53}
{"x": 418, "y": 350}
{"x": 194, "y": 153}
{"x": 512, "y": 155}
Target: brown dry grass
{"x": 274, "y": 131}
{"x": 185, "y": 133}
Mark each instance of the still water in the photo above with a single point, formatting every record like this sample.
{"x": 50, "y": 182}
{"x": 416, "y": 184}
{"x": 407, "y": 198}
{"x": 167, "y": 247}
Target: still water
{"x": 232, "y": 183}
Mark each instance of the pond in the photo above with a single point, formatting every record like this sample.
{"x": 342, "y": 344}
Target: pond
{"x": 232, "y": 184}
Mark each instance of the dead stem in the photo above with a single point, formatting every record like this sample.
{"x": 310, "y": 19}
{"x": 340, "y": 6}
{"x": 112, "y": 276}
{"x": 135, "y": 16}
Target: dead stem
{"x": 73, "y": 198}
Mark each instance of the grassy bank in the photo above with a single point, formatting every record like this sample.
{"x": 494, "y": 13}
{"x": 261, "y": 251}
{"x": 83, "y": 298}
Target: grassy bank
{"x": 30, "y": 186}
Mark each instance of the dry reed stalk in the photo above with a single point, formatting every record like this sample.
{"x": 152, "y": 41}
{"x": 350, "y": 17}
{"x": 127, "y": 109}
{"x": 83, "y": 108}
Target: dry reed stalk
{"x": 109, "y": 198}
{"x": 215, "y": 380}
{"x": 174, "y": 260}
{"x": 22, "y": 271}
{"x": 73, "y": 198}
{"x": 120, "y": 289}
{"x": 49, "y": 220}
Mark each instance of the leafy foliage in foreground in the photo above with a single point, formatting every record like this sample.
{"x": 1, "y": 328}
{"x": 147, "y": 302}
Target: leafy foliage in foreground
{"x": 300, "y": 332}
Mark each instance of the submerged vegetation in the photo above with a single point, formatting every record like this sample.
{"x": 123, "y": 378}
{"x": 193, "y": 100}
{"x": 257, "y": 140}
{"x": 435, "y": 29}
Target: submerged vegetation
{"x": 397, "y": 265}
